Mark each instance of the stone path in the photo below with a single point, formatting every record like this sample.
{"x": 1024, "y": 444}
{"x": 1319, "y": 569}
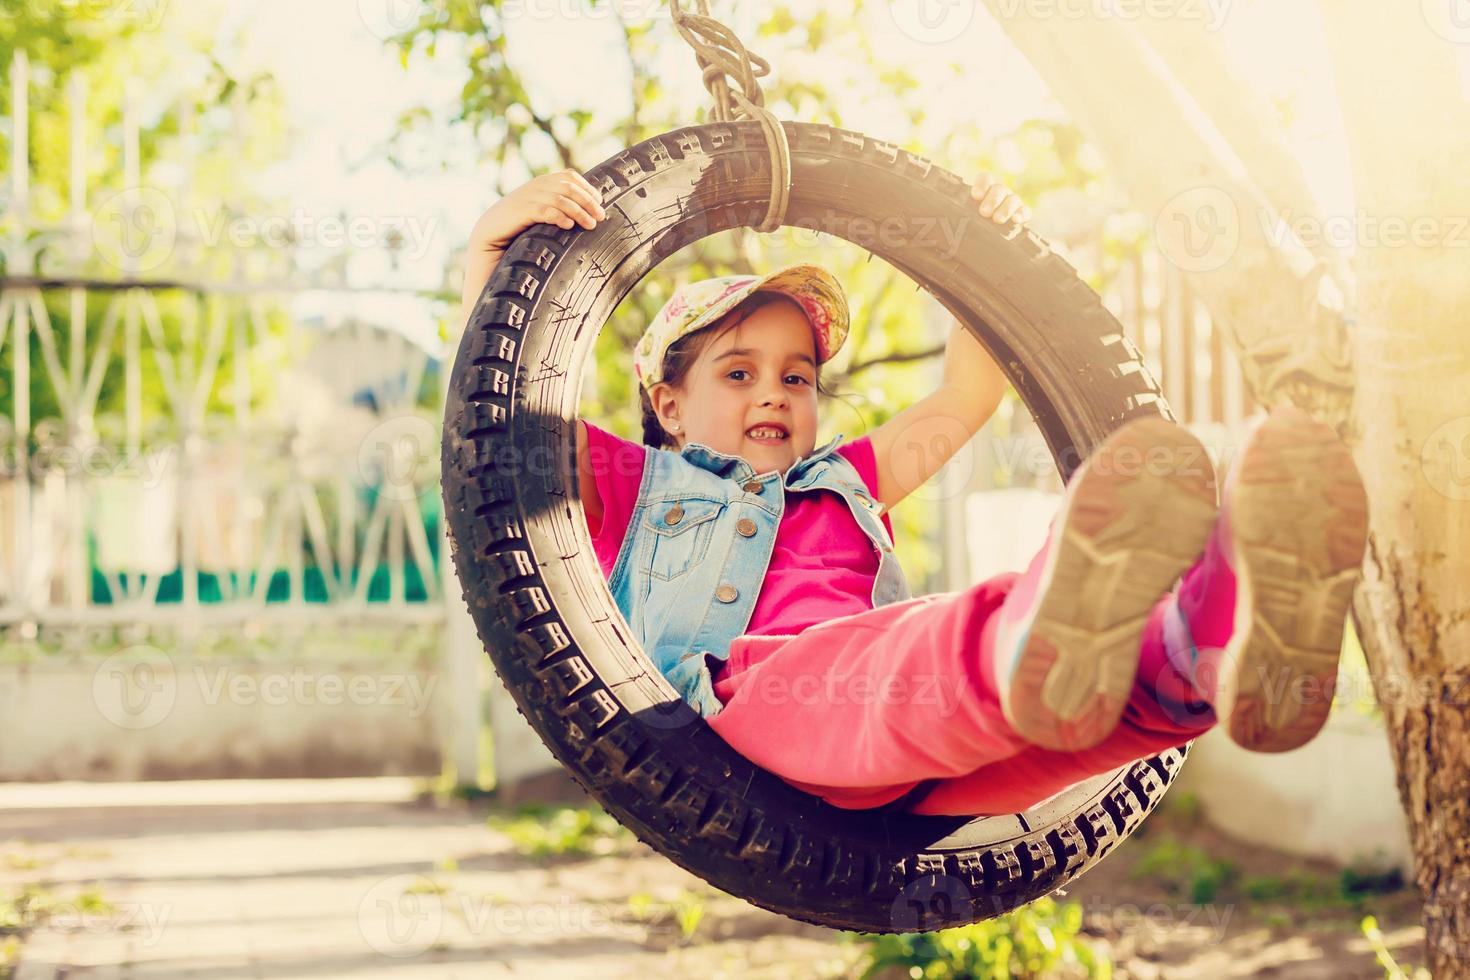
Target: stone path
{"x": 354, "y": 878}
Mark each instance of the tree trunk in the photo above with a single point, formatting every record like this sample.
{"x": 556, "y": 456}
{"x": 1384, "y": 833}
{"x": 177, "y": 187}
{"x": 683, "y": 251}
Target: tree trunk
{"x": 1408, "y": 127}
{"x": 1393, "y": 382}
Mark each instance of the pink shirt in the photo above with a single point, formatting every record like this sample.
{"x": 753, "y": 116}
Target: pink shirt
{"x": 822, "y": 566}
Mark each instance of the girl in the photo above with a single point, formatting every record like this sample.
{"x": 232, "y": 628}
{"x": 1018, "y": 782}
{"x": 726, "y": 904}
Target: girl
{"x": 757, "y": 568}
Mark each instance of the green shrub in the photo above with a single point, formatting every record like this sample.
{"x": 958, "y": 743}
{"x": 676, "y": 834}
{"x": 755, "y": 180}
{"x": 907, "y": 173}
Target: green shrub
{"x": 540, "y": 831}
{"x": 1038, "y": 940}
{"x": 1186, "y": 870}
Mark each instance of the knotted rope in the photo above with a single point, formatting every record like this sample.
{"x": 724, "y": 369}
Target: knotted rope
{"x": 722, "y": 57}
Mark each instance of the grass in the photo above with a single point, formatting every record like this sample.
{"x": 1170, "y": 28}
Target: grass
{"x": 685, "y": 912}
{"x": 1186, "y": 871}
{"x": 1284, "y": 900}
{"x": 1042, "y": 939}
{"x": 1352, "y": 888}
{"x": 33, "y": 905}
{"x": 562, "y": 831}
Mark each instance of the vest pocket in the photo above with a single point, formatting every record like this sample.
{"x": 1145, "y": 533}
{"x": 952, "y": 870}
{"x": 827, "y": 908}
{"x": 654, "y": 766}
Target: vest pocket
{"x": 682, "y": 544}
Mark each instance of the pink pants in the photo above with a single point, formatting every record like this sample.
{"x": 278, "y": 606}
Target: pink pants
{"x": 859, "y": 710}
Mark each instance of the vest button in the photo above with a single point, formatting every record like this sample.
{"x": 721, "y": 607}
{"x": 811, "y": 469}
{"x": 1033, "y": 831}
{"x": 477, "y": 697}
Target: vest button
{"x": 726, "y": 593}
{"x": 675, "y": 515}
{"x": 746, "y": 527}
{"x": 753, "y": 486}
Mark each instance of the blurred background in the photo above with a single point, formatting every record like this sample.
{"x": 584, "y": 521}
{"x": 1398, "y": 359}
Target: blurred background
{"x": 230, "y": 247}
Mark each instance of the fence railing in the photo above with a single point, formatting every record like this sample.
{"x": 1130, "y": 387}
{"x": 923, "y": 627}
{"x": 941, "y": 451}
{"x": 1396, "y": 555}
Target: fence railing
{"x": 178, "y": 446}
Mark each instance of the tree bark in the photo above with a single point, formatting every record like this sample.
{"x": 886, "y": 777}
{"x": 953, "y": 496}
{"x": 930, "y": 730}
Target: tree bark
{"x": 1393, "y": 382}
{"x": 1409, "y": 129}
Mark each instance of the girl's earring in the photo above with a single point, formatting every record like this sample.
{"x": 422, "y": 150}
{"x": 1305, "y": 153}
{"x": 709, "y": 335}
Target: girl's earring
{"x": 674, "y": 426}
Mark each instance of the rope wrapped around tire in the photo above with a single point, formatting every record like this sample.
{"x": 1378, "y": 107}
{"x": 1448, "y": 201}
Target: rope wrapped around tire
{"x": 523, "y": 555}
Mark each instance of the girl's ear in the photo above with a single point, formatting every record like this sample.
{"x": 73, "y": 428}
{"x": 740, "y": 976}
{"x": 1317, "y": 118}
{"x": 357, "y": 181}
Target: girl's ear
{"x": 665, "y": 402}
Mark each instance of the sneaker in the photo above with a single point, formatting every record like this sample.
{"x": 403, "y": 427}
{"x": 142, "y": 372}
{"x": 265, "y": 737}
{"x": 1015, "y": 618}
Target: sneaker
{"x": 1135, "y": 516}
{"x": 1293, "y": 531}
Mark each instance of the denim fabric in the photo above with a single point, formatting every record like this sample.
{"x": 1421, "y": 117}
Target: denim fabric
{"x": 687, "y": 579}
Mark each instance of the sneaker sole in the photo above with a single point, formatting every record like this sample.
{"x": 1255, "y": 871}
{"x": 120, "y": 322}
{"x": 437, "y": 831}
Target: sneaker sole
{"x": 1139, "y": 515}
{"x": 1299, "y": 530}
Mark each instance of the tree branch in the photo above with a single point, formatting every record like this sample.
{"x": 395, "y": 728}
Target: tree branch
{"x": 898, "y": 357}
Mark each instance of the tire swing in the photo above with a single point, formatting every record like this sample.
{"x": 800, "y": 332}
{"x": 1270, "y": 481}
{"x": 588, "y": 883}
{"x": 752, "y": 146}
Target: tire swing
{"x": 543, "y": 610}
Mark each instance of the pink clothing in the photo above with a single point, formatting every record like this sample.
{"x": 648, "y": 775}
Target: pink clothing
{"x": 860, "y": 705}
{"x": 904, "y": 694}
{"x": 822, "y": 564}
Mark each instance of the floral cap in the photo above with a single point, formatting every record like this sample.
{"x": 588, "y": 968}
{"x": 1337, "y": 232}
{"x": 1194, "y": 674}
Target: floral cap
{"x": 701, "y": 303}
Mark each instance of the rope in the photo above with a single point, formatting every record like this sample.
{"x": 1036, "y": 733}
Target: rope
{"x": 721, "y": 57}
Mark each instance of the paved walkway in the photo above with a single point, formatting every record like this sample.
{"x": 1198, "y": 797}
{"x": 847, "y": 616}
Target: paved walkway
{"x": 352, "y": 878}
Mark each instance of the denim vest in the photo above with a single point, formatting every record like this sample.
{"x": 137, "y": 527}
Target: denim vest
{"x": 698, "y": 544}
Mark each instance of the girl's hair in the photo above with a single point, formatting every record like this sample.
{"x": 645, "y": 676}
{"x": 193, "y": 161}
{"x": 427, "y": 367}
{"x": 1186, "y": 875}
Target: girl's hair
{"x": 682, "y": 353}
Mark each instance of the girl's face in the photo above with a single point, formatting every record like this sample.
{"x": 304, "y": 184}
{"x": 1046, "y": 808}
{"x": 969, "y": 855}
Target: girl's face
{"x": 761, "y": 373}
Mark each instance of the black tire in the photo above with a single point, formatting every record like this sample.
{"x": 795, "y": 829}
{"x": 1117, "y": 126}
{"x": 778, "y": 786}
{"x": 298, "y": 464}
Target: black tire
{"x": 543, "y": 610}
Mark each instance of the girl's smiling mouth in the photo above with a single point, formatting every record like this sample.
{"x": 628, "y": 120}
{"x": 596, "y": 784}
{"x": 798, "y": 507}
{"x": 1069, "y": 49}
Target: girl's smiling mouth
{"x": 768, "y": 434}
